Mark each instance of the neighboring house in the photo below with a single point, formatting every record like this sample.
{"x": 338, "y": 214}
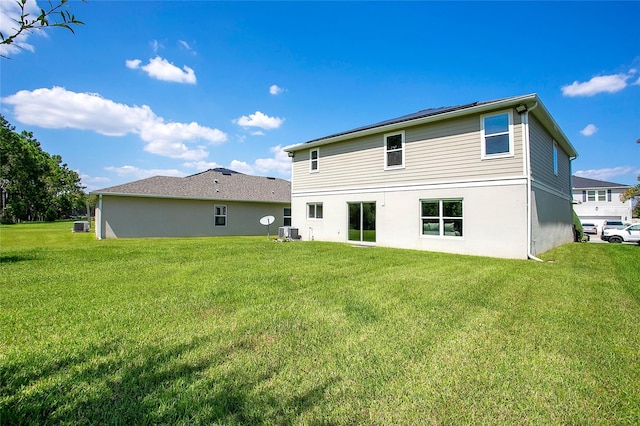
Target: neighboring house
{"x": 488, "y": 178}
{"x": 596, "y": 201}
{"x": 215, "y": 202}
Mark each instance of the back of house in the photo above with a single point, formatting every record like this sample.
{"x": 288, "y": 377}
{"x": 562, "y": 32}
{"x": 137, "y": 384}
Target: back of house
{"x": 487, "y": 178}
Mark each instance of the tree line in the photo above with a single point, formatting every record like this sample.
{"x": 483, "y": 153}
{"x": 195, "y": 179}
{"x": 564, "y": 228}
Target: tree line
{"x": 34, "y": 185}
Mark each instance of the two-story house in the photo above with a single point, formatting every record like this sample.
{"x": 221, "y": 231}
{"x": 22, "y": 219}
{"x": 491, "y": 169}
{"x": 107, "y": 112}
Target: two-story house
{"x": 596, "y": 201}
{"x": 487, "y": 178}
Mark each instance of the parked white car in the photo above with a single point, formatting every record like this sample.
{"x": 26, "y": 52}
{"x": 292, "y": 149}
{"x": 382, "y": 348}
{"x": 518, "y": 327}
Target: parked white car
{"x": 629, "y": 234}
{"x": 590, "y": 228}
{"x": 612, "y": 224}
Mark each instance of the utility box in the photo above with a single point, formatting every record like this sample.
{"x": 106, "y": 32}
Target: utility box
{"x": 288, "y": 232}
{"x": 81, "y": 226}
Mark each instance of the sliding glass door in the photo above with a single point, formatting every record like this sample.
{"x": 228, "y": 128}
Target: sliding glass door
{"x": 362, "y": 222}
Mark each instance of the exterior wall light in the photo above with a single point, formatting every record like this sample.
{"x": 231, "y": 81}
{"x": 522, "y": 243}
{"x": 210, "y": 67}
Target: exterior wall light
{"x": 521, "y": 108}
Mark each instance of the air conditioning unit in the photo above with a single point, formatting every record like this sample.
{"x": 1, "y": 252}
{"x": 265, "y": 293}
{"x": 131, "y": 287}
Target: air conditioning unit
{"x": 287, "y": 232}
{"x": 81, "y": 226}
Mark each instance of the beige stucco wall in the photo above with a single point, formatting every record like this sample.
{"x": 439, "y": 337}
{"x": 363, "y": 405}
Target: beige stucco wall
{"x": 551, "y": 220}
{"x": 134, "y": 217}
{"x": 495, "y": 218}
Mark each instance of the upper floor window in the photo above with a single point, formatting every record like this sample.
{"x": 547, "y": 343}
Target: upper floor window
{"x": 314, "y": 164}
{"x": 394, "y": 150}
{"x": 555, "y": 158}
{"x": 497, "y": 135}
{"x": 220, "y": 215}
{"x": 596, "y": 195}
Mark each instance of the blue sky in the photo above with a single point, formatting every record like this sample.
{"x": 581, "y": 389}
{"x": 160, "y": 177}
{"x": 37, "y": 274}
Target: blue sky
{"x": 173, "y": 88}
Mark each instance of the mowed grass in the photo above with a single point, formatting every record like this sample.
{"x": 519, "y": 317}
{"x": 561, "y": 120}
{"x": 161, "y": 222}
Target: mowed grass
{"x": 249, "y": 331}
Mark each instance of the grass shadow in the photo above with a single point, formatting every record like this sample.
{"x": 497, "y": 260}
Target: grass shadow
{"x": 156, "y": 385}
{"x": 14, "y": 258}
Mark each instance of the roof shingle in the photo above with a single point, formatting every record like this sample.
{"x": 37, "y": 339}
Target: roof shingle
{"x": 213, "y": 184}
{"x": 578, "y": 182}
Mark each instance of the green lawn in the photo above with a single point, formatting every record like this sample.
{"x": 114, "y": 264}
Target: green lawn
{"x": 246, "y": 330}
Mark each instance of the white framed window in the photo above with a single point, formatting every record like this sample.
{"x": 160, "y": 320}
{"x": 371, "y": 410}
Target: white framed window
{"x": 394, "y": 151}
{"x": 597, "y": 195}
{"x": 314, "y": 160}
{"x": 286, "y": 216}
{"x": 496, "y": 134}
{"x": 555, "y": 158}
{"x": 220, "y": 215}
{"x": 441, "y": 217}
{"x": 314, "y": 210}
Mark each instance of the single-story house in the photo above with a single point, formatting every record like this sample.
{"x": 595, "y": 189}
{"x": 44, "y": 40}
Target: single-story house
{"x": 487, "y": 178}
{"x": 597, "y": 200}
{"x": 214, "y": 202}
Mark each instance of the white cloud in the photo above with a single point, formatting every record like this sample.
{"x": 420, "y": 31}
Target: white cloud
{"x": 161, "y": 69}
{"x": 259, "y": 120}
{"x": 201, "y": 165}
{"x": 589, "y": 130}
{"x": 176, "y": 150}
{"x": 257, "y": 133}
{"x": 280, "y": 162}
{"x": 91, "y": 183}
{"x": 242, "y": 167}
{"x": 156, "y": 45}
{"x": 135, "y": 172}
{"x": 59, "y": 108}
{"x": 606, "y": 173}
{"x": 186, "y": 46}
{"x": 600, "y": 84}
{"x": 275, "y": 90}
{"x": 133, "y": 63}
{"x": 10, "y": 13}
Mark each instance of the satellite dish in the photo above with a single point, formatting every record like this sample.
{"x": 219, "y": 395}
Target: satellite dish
{"x": 266, "y": 221}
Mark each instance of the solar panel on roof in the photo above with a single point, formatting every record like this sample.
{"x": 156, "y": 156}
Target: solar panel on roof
{"x": 420, "y": 114}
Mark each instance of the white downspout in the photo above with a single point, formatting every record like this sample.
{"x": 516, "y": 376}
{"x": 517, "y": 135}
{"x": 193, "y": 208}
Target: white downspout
{"x": 99, "y": 219}
{"x": 527, "y": 159}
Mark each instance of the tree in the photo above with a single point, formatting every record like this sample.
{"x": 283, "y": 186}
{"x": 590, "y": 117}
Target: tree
{"x": 55, "y": 16}
{"x": 633, "y": 193}
{"x": 34, "y": 184}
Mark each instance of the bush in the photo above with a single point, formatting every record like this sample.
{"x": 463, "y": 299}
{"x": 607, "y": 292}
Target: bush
{"x": 51, "y": 214}
{"x": 6, "y": 218}
{"x": 578, "y": 232}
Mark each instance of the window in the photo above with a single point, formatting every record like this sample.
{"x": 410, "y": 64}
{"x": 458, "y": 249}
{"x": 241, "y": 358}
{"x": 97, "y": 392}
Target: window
{"x": 314, "y": 164}
{"x": 441, "y": 217}
{"x": 315, "y": 210}
{"x": 497, "y": 135}
{"x": 555, "y": 158}
{"x": 597, "y": 195}
{"x": 220, "y": 215}
{"x": 287, "y": 216}
{"x": 394, "y": 150}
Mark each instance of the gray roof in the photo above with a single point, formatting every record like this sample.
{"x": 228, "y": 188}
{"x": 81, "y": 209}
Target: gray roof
{"x": 578, "y": 182}
{"x": 213, "y": 184}
{"x": 420, "y": 114}
{"x": 531, "y": 102}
